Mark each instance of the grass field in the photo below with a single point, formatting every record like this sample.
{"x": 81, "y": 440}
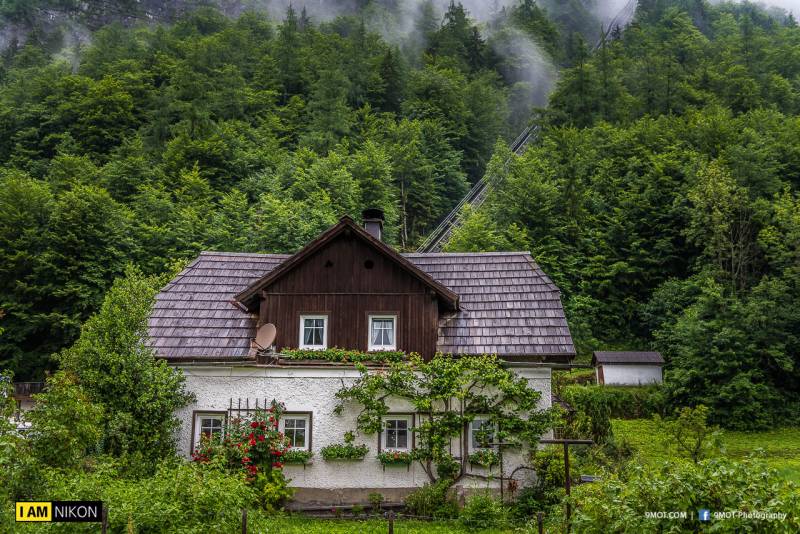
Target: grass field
{"x": 781, "y": 447}
{"x": 303, "y": 525}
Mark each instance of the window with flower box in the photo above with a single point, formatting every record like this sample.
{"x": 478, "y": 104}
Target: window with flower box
{"x": 313, "y": 332}
{"x": 209, "y": 424}
{"x": 297, "y": 428}
{"x": 396, "y": 434}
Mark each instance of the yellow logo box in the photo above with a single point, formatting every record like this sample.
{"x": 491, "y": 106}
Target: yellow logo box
{"x": 34, "y": 511}
{"x": 60, "y": 511}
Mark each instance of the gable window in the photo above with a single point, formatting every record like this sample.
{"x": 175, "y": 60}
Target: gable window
{"x": 297, "y": 429}
{"x": 481, "y": 434}
{"x": 313, "y": 332}
{"x": 396, "y": 434}
{"x": 210, "y": 425}
{"x": 382, "y": 332}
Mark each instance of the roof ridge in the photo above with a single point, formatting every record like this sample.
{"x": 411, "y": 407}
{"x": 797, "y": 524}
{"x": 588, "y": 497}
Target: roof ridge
{"x": 437, "y": 254}
{"x": 247, "y": 254}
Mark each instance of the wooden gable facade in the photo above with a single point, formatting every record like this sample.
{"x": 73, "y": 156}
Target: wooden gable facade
{"x": 347, "y": 275}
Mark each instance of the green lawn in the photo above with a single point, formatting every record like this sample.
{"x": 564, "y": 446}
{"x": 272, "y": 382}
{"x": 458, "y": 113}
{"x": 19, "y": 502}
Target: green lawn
{"x": 304, "y": 525}
{"x": 781, "y": 447}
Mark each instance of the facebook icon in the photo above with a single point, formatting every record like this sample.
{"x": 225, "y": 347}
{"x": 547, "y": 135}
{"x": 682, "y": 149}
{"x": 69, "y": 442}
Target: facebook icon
{"x": 704, "y": 515}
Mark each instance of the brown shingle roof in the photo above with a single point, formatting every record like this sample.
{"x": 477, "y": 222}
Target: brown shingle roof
{"x": 508, "y": 306}
{"x": 605, "y": 357}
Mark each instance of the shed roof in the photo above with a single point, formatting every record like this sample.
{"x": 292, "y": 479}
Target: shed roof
{"x": 627, "y": 357}
{"x": 507, "y": 306}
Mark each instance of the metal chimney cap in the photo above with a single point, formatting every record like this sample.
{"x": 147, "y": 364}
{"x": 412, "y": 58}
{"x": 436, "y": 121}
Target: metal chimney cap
{"x": 372, "y": 214}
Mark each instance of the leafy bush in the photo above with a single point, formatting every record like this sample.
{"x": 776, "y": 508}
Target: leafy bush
{"x": 433, "y": 500}
{"x": 595, "y": 406}
{"x": 690, "y": 435}
{"x": 345, "y": 451}
{"x": 65, "y": 423}
{"x": 548, "y": 488}
{"x": 618, "y": 503}
{"x": 335, "y": 354}
{"x": 395, "y": 458}
{"x": 623, "y": 402}
{"x": 181, "y": 497}
{"x": 483, "y": 511}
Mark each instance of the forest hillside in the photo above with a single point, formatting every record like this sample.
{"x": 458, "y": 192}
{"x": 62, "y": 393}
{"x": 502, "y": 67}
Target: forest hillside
{"x": 661, "y": 196}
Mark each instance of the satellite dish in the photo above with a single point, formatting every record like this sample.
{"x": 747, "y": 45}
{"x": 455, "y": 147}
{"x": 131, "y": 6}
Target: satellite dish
{"x": 265, "y": 336}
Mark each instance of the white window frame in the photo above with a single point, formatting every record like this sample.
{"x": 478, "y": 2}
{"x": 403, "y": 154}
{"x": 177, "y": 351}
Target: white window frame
{"x": 198, "y": 426}
{"x": 301, "y": 343}
{"x": 304, "y": 416}
{"x": 409, "y": 419}
{"x": 393, "y": 346}
{"x": 471, "y": 431}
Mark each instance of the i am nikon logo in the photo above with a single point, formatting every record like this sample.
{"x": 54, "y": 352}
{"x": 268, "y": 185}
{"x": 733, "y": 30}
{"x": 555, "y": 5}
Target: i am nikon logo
{"x": 60, "y": 511}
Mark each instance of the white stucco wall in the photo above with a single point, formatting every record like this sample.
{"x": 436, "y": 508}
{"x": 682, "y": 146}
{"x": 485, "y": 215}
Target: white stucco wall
{"x": 631, "y": 374}
{"x": 313, "y": 389}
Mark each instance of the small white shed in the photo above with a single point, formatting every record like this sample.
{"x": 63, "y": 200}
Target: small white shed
{"x": 627, "y": 368}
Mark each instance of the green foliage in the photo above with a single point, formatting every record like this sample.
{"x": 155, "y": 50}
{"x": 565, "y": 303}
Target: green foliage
{"x": 482, "y": 510}
{"x": 450, "y": 393}
{"x": 619, "y": 503}
{"x": 344, "y": 356}
{"x": 689, "y": 434}
{"x": 66, "y": 425}
{"x": 117, "y": 371}
{"x": 296, "y": 456}
{"x": 433, "y": 500}
{"x": 487, "y": 458}
{"x": 202, "y": 132}
{"x": 345, "y": 451}
{"x": 622, "y": 402}
{"x": 389, "y": 458}
{"x": 179, "y": 497}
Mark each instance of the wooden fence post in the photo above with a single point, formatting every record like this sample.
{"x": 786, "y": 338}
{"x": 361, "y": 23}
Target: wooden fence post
{"x": 390, "y": 515}
{"x": 104, "y": 519}
{"x": 244, "y": 520}
{"x": 540, "y": 521}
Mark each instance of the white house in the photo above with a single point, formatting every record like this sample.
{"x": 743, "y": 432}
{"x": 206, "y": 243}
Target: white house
{"x": 627, "y": 368}
{"x": 347, "y": 288}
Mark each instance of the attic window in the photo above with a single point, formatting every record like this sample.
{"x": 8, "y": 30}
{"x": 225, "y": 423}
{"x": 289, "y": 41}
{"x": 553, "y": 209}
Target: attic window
{"x": 313, "y": 332}
{"x": 382, "y": 332}
{"x": 329, "y": 263}
{"x": 369, "y": 264}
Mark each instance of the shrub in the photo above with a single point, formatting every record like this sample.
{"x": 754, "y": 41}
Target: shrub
{"x": 689, "y": 434}
{"x": 547, "y": 490}
{"x": 181, "y": 497}
{"x": 433, "y": 500}
{"x": 483, "y": 511}
{"x": 618, "y": 503}
{"x": 595, "y": 406}
{"x": 375, "y": 499}
{"x": 623, "y": 402}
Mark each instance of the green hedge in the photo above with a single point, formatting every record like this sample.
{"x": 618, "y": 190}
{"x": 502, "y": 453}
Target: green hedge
{"x": 620, "y": 402}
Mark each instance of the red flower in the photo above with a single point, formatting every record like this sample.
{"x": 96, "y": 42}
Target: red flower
{"x": 277, "y": 453}
{"x": 245, "y": 460}
{"x": 254, "y": 424}
{"x": 277, "y": 465}
{"x": 252, "y": 442}
{"x": 261, "y": 437}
